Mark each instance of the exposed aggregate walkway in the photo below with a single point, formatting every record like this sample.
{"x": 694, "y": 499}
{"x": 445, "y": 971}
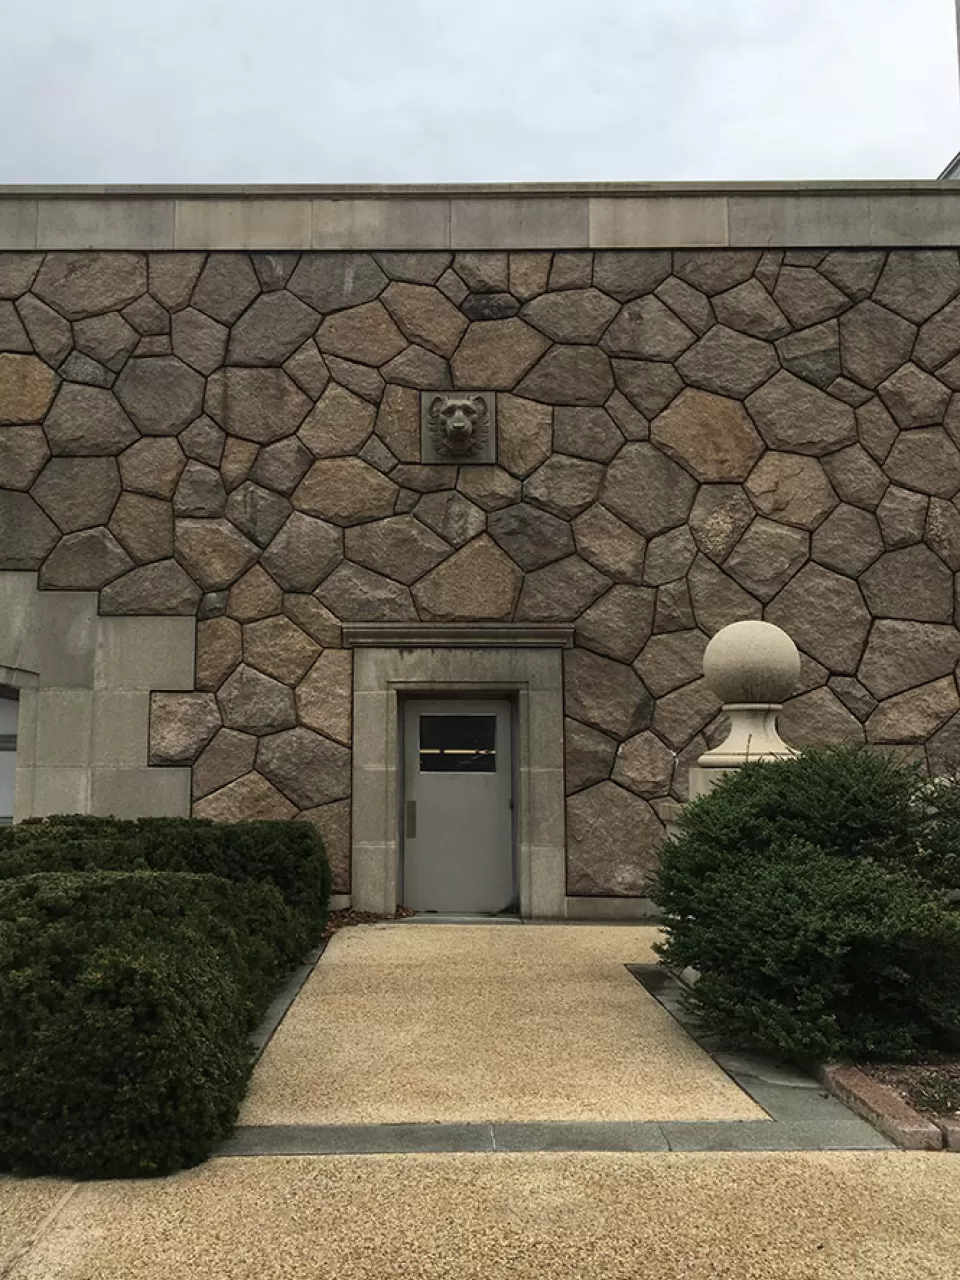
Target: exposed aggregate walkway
{"x": 474, "y": 1023}
{"x": 766, "y": 1216}
{"x": 451, "y": 1102}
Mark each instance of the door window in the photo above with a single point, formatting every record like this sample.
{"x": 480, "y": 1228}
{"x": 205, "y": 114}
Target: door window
{"x": 458, "y": 744}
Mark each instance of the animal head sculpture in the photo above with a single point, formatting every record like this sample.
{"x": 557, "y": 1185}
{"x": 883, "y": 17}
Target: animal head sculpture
{"x": 459, "y": 424}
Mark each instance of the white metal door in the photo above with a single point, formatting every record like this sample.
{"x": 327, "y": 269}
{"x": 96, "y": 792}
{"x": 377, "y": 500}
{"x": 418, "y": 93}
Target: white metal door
{"x": 458, "y": 805}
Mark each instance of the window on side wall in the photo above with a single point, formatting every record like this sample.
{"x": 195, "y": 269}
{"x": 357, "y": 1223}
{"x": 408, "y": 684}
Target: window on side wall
{"x": 9, "y": 707}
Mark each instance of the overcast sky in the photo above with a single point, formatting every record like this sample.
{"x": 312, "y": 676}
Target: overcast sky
{"x": 490, "y": 90}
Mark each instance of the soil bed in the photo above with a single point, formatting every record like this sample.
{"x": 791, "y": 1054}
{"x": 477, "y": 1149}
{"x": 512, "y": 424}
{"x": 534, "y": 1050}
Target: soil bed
{"x": 931, "y": 1087}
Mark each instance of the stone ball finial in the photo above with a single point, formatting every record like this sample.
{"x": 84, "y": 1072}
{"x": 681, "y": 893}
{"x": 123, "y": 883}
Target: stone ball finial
{"x": 751, "y": 662}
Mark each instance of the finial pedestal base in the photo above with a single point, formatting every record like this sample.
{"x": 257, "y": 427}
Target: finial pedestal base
{"x": 753, "y": 736}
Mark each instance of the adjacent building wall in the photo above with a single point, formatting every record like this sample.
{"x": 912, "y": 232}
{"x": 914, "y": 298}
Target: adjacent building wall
{"x": 83, "y": 682}
{"x": 686, "y": 437}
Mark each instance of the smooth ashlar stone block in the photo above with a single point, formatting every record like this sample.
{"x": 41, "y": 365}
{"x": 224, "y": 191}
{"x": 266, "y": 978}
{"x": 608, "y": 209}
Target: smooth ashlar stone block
{"x": 120, "y": 728}
{"x": 929, "y": 218}
{"x": 519, "y": 222}
{"x": 389, "y": 223}
{"x": 758, "y": 221}
{"x": 67, "y": 627}
{"x": 64, "y": 727}
{"x": 57, "y": 790}
{"x": 18, "y": 224}
{"x": 141, "y": 653}
{"x": 140, "y": 793}
{"x": 98, "y": 223}
{"x": 242, "y": 224}
{"x": 658, "y": 222}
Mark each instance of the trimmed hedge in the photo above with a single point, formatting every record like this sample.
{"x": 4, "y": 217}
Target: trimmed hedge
{"x": 289, "y": 855}
{"x": 125, "y": 1003}
{"x": 809, "y": 895}
{"x": 135, "y": 957}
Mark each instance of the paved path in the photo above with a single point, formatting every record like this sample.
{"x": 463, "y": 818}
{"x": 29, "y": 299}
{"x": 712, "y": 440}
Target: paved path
{"x": 535, "y": 1079}
{"x": 766, "y": 1216}
{"x": 473, "y": 1023}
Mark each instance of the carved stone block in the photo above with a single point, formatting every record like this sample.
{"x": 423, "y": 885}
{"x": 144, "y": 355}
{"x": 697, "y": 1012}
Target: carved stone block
{"x": 458, "y": 427}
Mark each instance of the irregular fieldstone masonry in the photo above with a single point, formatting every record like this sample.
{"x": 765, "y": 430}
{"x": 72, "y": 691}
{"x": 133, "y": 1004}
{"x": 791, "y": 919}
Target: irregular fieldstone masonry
{"x": 685, "y": 439}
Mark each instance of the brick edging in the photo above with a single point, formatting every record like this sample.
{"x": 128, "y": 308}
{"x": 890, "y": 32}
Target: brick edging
{"x": 883, "y": 1107}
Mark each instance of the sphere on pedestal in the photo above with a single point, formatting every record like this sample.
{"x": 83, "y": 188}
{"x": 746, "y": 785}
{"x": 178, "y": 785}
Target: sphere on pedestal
{"x": 752, "y": 662}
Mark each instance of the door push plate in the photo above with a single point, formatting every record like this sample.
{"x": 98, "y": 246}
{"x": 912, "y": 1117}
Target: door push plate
{"x": 411, "y": 819}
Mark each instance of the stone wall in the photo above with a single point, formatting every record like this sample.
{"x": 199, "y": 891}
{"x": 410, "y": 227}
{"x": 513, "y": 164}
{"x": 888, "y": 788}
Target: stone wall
{"x": 685, "y": 439}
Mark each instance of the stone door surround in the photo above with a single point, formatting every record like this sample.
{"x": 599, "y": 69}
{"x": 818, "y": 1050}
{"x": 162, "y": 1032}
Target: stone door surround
{"x": 476, "y": 660}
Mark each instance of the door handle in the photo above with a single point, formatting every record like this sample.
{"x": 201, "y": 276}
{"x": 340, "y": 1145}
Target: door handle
{"x": 411, "y": 819}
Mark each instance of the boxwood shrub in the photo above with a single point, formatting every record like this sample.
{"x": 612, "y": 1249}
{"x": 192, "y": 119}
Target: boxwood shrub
{"x": 125, "y": 1003}
{"x": 289, "y": 855}
{"x": 135, "y": 957}
{"x": 810, "y": 896}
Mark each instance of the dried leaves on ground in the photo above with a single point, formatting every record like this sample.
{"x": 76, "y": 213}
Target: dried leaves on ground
{"x": 346, "y": 917}
{"x": 932, "y": 1087}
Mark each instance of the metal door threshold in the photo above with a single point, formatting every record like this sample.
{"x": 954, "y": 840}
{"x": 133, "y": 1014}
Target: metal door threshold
{"x": 438, "y": 917}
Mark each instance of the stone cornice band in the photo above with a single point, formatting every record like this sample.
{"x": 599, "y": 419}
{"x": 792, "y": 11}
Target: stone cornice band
{"x": 545, "y": 216}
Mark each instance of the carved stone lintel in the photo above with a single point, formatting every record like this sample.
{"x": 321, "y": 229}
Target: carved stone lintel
{"x": 458, "y": 635}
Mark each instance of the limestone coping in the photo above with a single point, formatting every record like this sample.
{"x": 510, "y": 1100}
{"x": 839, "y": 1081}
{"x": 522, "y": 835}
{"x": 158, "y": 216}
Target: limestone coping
{"x": 502, "y": 216}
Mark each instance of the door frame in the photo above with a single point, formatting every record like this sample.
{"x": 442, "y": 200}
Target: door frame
{"x": 423, "y": 695}
{"x": 534, "y": 678}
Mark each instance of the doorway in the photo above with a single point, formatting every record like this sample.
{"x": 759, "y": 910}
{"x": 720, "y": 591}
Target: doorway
{"x": 458, "y": 805}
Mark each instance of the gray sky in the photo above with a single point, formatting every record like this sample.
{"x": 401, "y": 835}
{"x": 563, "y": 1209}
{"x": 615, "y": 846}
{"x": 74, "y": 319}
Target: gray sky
{"x": 492, "y": 90}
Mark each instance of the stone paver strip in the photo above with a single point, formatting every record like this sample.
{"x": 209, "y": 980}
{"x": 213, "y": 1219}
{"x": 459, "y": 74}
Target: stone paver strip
{"x": 806, "y": 1117}
{"x": 400, "y": 1025}
{"x": 951, "y": 1133}
{"x": 280, "y": 1005}
{"x": 758, "y": 1216}
{"x": 819, "y": 1130}
{"x": 358, "y": 1139}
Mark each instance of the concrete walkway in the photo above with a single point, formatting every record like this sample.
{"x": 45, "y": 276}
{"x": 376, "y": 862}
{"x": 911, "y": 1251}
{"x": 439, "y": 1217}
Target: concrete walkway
{"x": 472, "y": 1023}
{"x": 517, "y": 1034}
{"x": 766, "y": 1216}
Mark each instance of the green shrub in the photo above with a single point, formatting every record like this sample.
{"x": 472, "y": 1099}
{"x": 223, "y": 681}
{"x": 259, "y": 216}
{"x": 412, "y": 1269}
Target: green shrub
{"x": 808, "y": 894}
{"x": 818, "y": 956}
{"x": 134, "y": 959}
{"x": 125, "y": 1003}
{"x": 938, "y": 802}
{"x": 289, "y": 855}
{"x": 848, "y": 802}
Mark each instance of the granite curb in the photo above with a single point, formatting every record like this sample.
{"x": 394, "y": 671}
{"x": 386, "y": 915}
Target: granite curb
{"x": 877, "y": 1103}
{"x": 280, "y": 1005}
{"x": 805, "y": 1110}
